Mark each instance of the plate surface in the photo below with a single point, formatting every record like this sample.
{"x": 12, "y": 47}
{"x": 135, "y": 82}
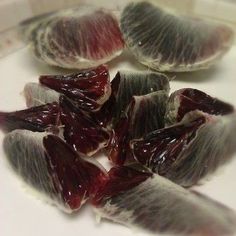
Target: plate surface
{"x": 23, "y": 214}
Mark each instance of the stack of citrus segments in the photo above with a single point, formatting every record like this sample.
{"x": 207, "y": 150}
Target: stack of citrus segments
{"x": 159, "y": 144}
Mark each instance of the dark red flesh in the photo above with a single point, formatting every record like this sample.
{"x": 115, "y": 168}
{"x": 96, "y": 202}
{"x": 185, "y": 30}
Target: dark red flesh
{"x": 80, "y": 131}
{"x": 94, "y": 36}
{"x": 120, "y": 179}
{"x": 85, "y": 88}
{"x": 193, "y": 99}
{"x": 160, "y": 149}
{"x": 74, "y": 178}
{"x": 119, "y": 144}
{"x": 37, "y": 118}
{"x": 118, "y": 149}
{"x": 135, "y": 124}
{"x": 104, "y": 116}
{"x": 115, "y": 86}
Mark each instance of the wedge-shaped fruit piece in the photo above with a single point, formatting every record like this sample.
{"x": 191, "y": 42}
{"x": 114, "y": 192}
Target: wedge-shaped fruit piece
{"x": 89, "y": 89}
{"x": 52, "y": 167}
{"x": 168, "y": 41}
{"x": 81, "y": 37}
{"x": 190, "y": 150}
{"x": 127, "y": 84}
{"x": 80, "y": 131}
{"x": 151, "y": 202}
{"x": 124, "y": 86}
{"x": 37, "y": 118}
{"x": 37, "y": 94}
{"x": 185, "y": 100}
{"x": 144, "y": 114}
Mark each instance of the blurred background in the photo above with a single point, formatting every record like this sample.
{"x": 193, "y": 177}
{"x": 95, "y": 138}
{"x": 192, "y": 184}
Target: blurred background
{"x": 14, "y": 11}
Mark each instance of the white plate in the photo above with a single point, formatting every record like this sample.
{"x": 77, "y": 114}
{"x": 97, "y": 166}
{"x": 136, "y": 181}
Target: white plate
{"x": 22, "y": 214}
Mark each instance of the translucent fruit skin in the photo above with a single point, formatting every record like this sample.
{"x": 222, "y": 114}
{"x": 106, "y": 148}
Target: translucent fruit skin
{"x": 36, "y": 94}
{"x": 143, "y": 115}
{"x": 53, "y": 168}
{"x": 159, "y": 149}
{"x": 150, "y": 202}
{"x": 133, "y": 96}
{"x": 120, "y": 179}
{"x": 25, "y": 153}
{"x": 190, "y": 150}
{"x": 92, "y": 35}
{"x": 125, "y": 195}
{"x": 127, "y": 84}
{"x": 124, "y": 86}
{"x": 77, "y": 38}
{"x": 173, "y": 42}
